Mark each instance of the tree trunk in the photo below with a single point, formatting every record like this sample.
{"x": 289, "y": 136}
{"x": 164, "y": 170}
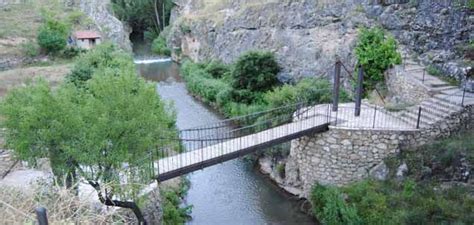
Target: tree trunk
{"x": 157, "y": 15}
{"x": 163, "y": 14}
{"x": 123, "y": 204}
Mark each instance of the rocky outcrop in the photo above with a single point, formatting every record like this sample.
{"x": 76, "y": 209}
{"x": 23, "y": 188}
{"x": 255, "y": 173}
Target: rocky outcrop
{"x": 305, "y": 35}
{"x": 109, "y": 26}
{"x": 438, "y": 32}
{"x": 308, "y": 35}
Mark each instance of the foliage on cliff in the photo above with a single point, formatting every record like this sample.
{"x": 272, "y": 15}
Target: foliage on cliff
{"x": 437, "y": 197}
{"x": 376, "y": 52}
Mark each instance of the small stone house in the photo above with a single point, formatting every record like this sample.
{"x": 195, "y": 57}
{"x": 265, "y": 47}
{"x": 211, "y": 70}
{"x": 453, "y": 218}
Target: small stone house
{"x": 86, "y": 39}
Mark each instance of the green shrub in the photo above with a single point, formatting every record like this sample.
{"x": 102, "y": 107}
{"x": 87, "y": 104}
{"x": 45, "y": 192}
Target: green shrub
{"x": 173, "y": 214}
{"x": 52, "y": 35}
{"x": 308, "y": 90}
{"x": 217, "y": 69}
{"x": 330, "y": 208}
{"x": 255, "y": 71}
{"x": 159, "y": 46}
{"x": 30, "y": 49}
{"x": 71, "y": 52}
{"x": 105, "y": 57}
{"x": 281, "y": 170}
{"x": 376, "y": 53}
{"x": 200, "y": 83}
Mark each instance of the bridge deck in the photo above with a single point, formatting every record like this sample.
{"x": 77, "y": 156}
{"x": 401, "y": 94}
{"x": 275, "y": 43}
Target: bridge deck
{"x": 187, "y": 162}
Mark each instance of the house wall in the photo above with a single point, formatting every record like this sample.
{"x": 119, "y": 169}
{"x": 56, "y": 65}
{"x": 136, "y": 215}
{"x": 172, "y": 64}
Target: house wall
{"x": 87, "y": 43}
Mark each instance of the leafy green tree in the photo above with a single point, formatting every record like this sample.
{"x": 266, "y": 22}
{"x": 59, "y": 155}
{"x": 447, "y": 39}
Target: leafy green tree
{"x": 159, "y": 47}
{"x": 52, "y": 35}
{"x": 150, "y": 16}
{"x": 105, "y": 56}
{"x": 256, "y": 72}
{"x": 106, "y": 131}
{"x": 376, "y": 52}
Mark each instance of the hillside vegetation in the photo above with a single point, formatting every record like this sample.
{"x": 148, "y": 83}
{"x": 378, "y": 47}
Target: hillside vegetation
{"x": 17, "y": 31}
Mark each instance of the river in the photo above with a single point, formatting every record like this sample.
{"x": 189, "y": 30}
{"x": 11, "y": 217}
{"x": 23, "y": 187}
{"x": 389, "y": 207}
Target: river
{"x": 230, "y": 193}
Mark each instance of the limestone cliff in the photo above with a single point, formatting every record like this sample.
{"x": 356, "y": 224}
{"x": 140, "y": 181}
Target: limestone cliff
{"x": 308, "y": 35}
{"x": 109, "y": 26}
{"x": 305, "y": 35}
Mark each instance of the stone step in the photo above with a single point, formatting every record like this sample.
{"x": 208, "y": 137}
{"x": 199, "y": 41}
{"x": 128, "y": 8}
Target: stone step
{"x": 447, "y": 101}
{"x": 424, "y": 121}
{"x": 413, "y": 123}
{"x": 442, "y": 89}
{"x": 429, "y": 114}
{"x": 437, "y": 109}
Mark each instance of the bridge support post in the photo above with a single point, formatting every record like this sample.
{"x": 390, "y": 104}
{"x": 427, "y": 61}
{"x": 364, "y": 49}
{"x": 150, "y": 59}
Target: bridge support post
{"x": 336, "y": 85}
{"x": 359, "y": 92}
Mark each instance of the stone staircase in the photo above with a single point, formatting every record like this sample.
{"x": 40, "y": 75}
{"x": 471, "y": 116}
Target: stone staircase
{"x": 445, "y": 99}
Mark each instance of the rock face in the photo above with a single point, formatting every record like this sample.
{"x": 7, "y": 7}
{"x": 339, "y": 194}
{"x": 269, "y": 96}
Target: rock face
{"x": 109, "y": 26}
{"x": 308, "y": 35}
{"x": 436, "y": 31}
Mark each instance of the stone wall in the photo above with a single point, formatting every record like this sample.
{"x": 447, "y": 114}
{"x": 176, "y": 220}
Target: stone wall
{"x": 7, "y": 162}
{"x": 401, "y": 89}
{"x": 339, "y": 156}
{"x": 342, "y": 156}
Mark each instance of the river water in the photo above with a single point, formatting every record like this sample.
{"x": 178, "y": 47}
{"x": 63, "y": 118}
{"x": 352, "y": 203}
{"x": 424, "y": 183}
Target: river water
{"x": 230, "y": 193}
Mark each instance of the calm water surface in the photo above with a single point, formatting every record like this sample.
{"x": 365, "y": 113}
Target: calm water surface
{"x": 229, "y": 193}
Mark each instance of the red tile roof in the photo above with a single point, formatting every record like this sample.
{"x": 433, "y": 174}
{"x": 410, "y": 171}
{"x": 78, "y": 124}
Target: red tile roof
{"x": 87, "y": 34}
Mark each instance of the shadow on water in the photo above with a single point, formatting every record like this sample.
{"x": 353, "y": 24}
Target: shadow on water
{"x": 230, "y": 193}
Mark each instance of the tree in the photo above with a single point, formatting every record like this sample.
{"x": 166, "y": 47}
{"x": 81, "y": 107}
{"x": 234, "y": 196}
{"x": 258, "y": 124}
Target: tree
{"x": 144, "y": 15}
{"x": 52, "y": 35}
{"x": 376, "y": 52}
{"x": 105, "y": 56}
{"x": 105, "y": 131}
{"x": 256, "y": 72}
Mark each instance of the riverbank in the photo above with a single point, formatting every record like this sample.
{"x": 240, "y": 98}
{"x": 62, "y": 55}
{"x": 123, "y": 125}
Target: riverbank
{"x": 234, "y": 192}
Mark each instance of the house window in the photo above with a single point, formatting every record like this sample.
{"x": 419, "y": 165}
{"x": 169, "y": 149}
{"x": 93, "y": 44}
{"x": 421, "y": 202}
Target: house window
{"x": 92, "y": 42}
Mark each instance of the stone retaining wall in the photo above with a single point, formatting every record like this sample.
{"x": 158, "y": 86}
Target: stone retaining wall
{"x": 404, "y": 90}
{"x": 7, "y": 162}
{"x": 342, "y": 156}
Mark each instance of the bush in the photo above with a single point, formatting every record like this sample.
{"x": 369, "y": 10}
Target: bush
{"x": 103, "y": 57}
{"x": 200, "y": 83}
{"x": 256, "y": 72}
{"x": 30, "y": 49}
{"x": 172, "y": 213}
{"x": 217, "y": 69}
{"x": 310, "y": 90}
{"x": 330, "y": 208}
{"x": 159, "y": 46}
{"x": 52, "y": 36}
{"x": 376, "y": 53}
{"x": 71, "y": 52}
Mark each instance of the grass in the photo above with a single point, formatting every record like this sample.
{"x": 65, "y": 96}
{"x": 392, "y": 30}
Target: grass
{"x": 10, "y": 79}
{"x": 63, "y": 207}
{"x": 20, "y": 22}
{"x": 419, "y": 199}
